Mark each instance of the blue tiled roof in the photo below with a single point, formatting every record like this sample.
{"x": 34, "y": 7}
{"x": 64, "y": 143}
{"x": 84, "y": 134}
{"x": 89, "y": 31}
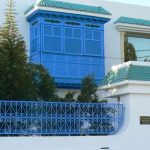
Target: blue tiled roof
{"x": 135, "y": 21}
{"x": 70, "y": 6}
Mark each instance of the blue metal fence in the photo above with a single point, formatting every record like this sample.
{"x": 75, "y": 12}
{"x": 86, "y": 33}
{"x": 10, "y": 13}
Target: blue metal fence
{"x": 59, "y": 118}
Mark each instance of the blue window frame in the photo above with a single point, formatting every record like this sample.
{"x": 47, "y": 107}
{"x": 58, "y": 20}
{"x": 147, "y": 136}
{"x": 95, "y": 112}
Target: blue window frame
{"x": 73, "y": 42}
{"x": 34, "y": 39}
{"x": 52, "y": 39}
{"x": 92, "y": 42}
{"x": 70, "y": 46}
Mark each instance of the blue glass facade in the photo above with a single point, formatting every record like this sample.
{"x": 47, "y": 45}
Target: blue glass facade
{"x": 70, "y": 46}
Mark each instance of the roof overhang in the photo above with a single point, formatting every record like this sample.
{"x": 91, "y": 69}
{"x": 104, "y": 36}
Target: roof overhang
{"x": 52, "y": 9}
{"x": 127, "y": 86}
{"x": 124, "y": 27}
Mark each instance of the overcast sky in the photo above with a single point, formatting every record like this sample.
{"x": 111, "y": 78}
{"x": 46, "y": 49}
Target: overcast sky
{"x": 138, "y": 2}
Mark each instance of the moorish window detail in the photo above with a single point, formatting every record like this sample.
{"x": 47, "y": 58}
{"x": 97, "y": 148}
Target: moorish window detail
{"x": 92, "y": 42}
{"x": 73, "y": 43}
{"x": 52, "y": 38}
{"x": 92, "y": 25}
{"x": 52, "y": 21}
{"x": 34, "y": 23}
{"x": 73, "y": 23}
{"x": 34, "y": 39}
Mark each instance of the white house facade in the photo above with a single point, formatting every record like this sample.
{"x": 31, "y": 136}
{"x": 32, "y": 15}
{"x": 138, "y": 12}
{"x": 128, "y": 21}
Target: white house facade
{"x": 133, "y": 24}
{"x": 73, "y": 39}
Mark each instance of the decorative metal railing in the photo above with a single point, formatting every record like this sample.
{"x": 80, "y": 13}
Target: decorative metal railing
{"x": 59, "y": 118}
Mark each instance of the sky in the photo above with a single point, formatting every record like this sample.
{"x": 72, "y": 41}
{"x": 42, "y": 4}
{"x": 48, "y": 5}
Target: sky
{"x": 138, "y": 2}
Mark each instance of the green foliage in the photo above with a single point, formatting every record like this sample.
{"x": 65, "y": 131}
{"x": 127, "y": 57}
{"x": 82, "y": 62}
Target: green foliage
{"x": 43, "y": 83}
{"x": 18, "y": 79}
{"x": 88, "y": 90}
{"x": 69, "y": 97}
{"x": 103, "y": 101}
{"x": 14, "y": 78}
{"x": 129, "y": 51}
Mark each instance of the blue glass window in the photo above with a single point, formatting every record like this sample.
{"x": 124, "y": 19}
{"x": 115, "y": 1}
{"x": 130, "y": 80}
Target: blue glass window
{"x": 34, "y": 39}
{"x": 34, "y": 45}
{"x": 52, "y": 44}
{"x": 52, "y": 38}
{"x": 47, "y": 30}
{"x": 73, "y": 44}
{"x": 88, "y": 34}
{"x": 56, "y": 31}
{"x": 77, "y": 33}
{"x": 92, "y": 42}
{"x": 96, "y": 35}
{"x": 35, "y": 32}
{"x": 68, "y": 32}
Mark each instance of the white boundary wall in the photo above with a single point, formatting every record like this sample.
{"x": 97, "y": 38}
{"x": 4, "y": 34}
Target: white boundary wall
{"x": 132, "y": 135}
{"x": 57, "y": 143}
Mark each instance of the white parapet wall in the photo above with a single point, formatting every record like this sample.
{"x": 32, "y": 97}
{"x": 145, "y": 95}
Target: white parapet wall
{"x": 58, "y": 143}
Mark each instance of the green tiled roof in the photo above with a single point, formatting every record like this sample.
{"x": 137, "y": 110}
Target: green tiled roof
{"x": 134, "y": 21}
{"x": 130, "y": 72}
{"x": 70, "y": 6}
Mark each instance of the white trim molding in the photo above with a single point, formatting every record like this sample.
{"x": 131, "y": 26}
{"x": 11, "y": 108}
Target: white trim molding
{"x": 124, "y": 27}
{"x": 67, "y": 11}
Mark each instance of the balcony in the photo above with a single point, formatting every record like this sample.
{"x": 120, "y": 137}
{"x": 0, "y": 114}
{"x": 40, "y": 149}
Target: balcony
{"x": 21, "y": 118}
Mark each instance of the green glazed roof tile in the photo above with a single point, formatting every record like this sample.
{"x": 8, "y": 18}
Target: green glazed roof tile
{"x": 134, "y": 21}
{"x": 131, "y": 73}
{"x": 70, "y": 6}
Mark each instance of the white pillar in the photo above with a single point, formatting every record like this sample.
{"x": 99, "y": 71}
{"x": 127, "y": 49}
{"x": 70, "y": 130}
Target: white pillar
{"x": 135, "y": 97}
{"x": 122, "y": 37}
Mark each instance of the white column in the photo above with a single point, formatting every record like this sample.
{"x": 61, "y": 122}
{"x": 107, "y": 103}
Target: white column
{"x": 122, "y": 37}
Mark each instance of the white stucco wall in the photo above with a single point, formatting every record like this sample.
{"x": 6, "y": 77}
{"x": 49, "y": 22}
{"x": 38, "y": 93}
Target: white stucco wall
{"x": 135, "y": 96}
{"x": 57, "y": 143}
{"x": 112, "y": 36}
{"x": 132, "y": 136}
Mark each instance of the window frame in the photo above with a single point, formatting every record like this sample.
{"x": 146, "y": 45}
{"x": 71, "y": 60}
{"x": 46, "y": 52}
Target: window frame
{"x": 61, "y": 37}
{"x": 33, "y": 37}
{"x": 100, "y": 41}
{"x": 81, "y": 39}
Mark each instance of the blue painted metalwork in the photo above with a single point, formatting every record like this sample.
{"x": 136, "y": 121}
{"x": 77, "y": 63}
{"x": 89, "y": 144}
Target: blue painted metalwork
{"x": 70, "y": 46}
{"x": 59, "y": 118}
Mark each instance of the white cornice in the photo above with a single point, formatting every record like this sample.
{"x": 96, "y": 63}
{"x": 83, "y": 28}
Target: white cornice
{"x": 136, "y": 63}
{"x": 124, "y": 27}
{"x": 67, "y": 11}
{"x": 122, "y": 83}
{"x": 126, "y": 87}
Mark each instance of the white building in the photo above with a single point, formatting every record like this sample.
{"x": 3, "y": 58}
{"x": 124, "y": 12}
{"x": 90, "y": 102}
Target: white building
{"x": 128, "y": 83}
{"x": 113, "y": 37}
